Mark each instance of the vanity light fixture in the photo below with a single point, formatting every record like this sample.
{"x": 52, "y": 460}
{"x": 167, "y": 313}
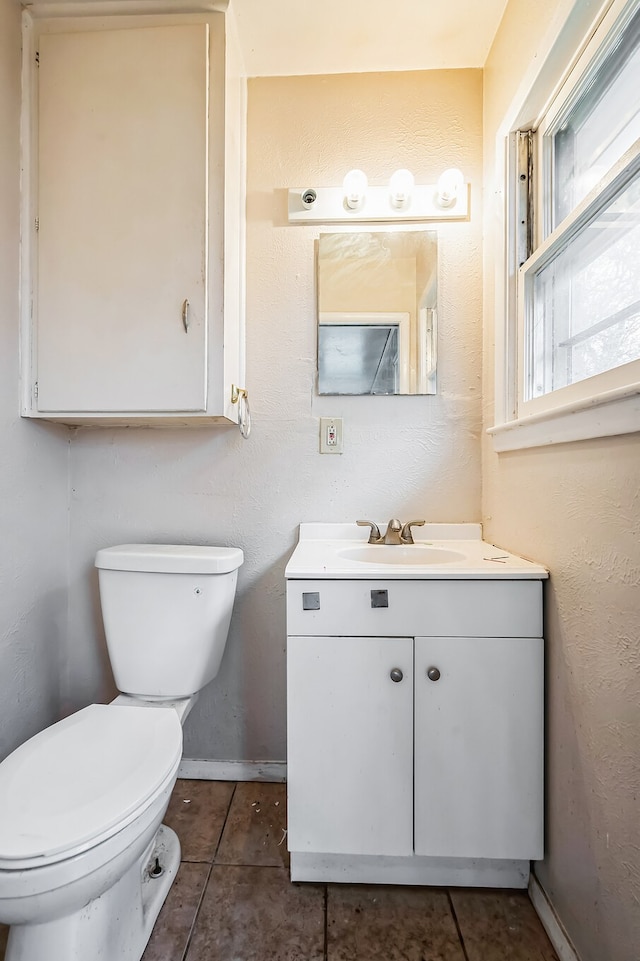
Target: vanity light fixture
{"x": 401, "y": 200}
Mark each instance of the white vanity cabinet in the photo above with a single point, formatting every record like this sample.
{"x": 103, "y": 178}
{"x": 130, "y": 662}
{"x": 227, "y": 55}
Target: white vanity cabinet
{"x": 133, "y": 215}
{"x": 415, "y": 750}
{"x": 478, "y": 747}
{"x": 350, "y": 745}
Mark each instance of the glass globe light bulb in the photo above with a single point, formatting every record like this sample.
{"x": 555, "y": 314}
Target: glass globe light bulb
{"x": 355, "y": 187}
{"x": 401, "y": 188}
{"x": 450, "y": 184}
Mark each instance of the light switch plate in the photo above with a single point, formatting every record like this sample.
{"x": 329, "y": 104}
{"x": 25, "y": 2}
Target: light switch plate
{"x": 331, "y": 435}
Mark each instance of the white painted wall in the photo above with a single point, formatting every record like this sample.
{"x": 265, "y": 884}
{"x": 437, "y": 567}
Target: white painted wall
{"x": 576, "y": 508}
{"x": 405, "y": 456}
{"x": 33, "y": 472}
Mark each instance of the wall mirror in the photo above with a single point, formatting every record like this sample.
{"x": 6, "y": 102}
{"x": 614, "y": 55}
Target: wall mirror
{"x": 377, "y": 300}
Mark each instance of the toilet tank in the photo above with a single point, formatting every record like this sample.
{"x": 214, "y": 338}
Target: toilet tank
{"x": 166, "y": 610}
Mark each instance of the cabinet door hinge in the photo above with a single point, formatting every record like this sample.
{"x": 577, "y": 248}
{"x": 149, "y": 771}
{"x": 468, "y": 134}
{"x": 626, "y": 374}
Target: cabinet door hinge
{"x": 37, "y": 58}
{"x": 35, "y": 390}
{"x": 37, "y": 224}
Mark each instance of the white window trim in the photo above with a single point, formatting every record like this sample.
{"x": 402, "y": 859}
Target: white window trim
{"x": 604, "y": 412}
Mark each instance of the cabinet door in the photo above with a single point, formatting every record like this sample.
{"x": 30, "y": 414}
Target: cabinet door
{"x": 478, "y": 767}
{"x": 350, "y": 745}
{"x": 122, "y": 210}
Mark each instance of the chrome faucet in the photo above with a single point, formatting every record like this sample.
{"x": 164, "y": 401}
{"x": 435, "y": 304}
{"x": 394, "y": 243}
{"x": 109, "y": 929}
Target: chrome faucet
{"x": 395, "y": 533}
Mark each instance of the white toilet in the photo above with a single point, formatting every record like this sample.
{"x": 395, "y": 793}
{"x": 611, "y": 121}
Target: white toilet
{"x": 85, "y": 863}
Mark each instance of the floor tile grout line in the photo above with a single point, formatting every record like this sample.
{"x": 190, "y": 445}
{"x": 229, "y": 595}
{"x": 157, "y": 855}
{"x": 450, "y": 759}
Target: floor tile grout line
{"x": 226, "y": 818}
{"x": 192, "y": 927}
{"x": 208, "y": 878}
{"x": 457, "y": 924}
{"x": 326, "y": 923}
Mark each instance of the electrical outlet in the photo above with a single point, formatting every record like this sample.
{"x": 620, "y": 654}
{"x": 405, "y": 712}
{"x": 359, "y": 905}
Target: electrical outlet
{"x": 331, "y": 435}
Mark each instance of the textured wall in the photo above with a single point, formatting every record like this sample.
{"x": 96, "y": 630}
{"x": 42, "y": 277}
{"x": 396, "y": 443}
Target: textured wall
{"x": 405, "y": 456}
{"x": 33, "y": 471}
{"x": 576, "y": 508}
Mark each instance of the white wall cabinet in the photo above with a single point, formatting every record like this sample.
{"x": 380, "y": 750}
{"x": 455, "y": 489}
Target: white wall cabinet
{"x": 414, "y": 758}
{"x": 133, "y": 219}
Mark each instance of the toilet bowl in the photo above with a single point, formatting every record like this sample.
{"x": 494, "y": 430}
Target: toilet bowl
{"x": 85, "y": 863}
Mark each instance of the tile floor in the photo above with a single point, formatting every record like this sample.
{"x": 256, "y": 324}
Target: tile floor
{"x": 232, "y": 899}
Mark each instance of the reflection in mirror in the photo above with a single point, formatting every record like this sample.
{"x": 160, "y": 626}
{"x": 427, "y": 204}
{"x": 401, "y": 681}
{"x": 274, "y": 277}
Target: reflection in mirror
{"x": 377, "y": 299}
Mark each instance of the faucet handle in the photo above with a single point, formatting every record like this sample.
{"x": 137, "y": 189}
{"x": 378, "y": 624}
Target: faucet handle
{"x": 374, "y": 536}
{"x": 407, "y": 536}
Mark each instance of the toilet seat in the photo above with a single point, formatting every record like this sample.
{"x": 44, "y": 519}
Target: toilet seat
{"x": 82, "y": 780}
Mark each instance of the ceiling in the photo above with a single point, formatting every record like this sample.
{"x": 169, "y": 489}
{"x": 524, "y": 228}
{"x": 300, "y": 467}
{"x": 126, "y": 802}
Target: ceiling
{"x": 294, "y": 37}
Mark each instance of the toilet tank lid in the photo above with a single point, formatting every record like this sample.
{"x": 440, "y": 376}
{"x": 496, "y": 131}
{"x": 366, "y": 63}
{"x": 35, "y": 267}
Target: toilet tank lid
{"x": 170, "y": 558}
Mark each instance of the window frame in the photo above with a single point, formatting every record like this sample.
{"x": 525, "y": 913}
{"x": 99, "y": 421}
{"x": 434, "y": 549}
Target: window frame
{"x": 608, "y": 403}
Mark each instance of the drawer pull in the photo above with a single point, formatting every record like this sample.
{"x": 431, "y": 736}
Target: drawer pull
{"x": 396, "y": 674}
{"x": 379, "y": 598}
{"x": 433, "y": 674}
{"x": 310, "y": 601}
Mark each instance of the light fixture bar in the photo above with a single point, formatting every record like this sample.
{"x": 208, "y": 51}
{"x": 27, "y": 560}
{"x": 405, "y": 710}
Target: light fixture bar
{"x": 329, "y": 206}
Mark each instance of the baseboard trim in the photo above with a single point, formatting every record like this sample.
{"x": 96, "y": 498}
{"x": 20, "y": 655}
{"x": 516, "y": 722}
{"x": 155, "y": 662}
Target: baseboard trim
{"x": 550, "y": 922}
{"x": 203, "y": 769}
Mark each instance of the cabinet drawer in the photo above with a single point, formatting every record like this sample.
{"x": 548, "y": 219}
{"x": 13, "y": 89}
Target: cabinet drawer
{"x": 457, "y": 608}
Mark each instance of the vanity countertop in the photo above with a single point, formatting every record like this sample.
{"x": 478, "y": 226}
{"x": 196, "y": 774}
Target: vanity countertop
{"x": 440, "y": 552}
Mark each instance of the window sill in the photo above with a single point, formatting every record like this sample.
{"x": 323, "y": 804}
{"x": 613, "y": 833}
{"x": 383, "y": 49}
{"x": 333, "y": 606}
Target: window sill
{"x": 605, "y": 415}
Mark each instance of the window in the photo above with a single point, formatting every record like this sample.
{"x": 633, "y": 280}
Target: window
{"x": 592, "y": 128}
{"x": 578, "y": 289}
{"x": 581, "y": 301}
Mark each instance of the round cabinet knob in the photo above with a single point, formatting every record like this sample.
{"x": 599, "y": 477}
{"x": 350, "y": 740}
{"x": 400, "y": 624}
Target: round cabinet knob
{"x": 433, "y": 674}
{"x": 396, "y": 674}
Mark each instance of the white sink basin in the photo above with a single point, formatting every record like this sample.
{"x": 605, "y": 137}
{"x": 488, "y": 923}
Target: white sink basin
{"x": 397, "y": 554}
